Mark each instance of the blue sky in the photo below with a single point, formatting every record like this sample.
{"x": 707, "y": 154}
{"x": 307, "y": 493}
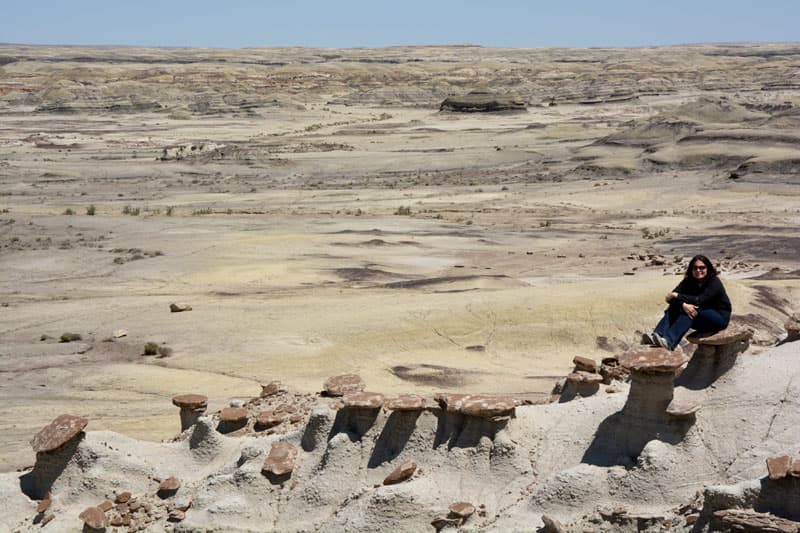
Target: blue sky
{"x": 375, "y": 23}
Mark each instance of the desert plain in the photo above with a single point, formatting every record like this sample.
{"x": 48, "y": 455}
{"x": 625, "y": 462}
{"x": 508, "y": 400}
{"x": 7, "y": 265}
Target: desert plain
{"x": 322, "y": 215}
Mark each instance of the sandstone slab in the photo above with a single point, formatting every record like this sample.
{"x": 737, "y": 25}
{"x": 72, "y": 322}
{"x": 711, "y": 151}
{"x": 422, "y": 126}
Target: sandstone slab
{"x": 343, "y": 384}
{"x": 281, "y": 459}
{"x": 653, "y": 360}
{"x": 60, "y": 431}
{"x": 401, "y": 473}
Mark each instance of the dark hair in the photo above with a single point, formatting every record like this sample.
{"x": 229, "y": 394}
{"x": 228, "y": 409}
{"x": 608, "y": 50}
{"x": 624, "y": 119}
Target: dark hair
{"x": 711, "y": 272}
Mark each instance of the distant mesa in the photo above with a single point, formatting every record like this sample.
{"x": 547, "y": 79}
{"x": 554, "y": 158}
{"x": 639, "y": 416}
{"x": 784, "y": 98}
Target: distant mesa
{"x": 483, "y": 102}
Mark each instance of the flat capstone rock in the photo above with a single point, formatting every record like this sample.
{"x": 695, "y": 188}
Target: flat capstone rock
{"x": 58, "y": 432}
{"x": 733, "y": 333}
{"x": 343, "y": 384}
{"x": 233, "y": 414}
{"x": 405, "y": 402}
{"x": 401, "y": 473}
{"x": 487, "y": 406}
{"x": 585, "y": 363}
{"x": 582, "y": 376}
{"x": 462, "y": 509}
{"x": 179, "y": 307}
{"x": 281, "y": 459}
{"x": 779, "y": 467}
{"x": 190, "y": 401}
{"x": 653, "y": 360}
{"x": 747, "y": 520}
{"x": 363, "y": 400}
{"x": 170, "y": 484}
{"x": 270, "y": 419}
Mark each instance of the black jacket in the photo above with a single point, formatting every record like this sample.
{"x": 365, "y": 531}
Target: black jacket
{"x": 708, "y": 295}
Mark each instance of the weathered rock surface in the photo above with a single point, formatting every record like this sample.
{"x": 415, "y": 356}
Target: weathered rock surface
{"x": 405, "y": 402}
{"x": 179, "y": 307}
{"x": 94, "y": 518}
{"x": 58, "y": 432}
{"x": 281, "y": 459}
{"x": 482, "y": 102}
{"x": 401, "y": 473}
{"x": 753, "y": 522}
{"x": 343, "y": 384}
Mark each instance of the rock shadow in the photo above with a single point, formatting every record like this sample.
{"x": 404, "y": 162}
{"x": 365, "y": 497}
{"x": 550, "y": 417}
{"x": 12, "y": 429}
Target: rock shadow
{"x": 355, "y": 423}
{"x": 393, "y": 438}
{"x": 48, "y": 468}
{"x": 621, "y": 437}
{"x": 707, "y": 365}
{"x": 460, "y": 431}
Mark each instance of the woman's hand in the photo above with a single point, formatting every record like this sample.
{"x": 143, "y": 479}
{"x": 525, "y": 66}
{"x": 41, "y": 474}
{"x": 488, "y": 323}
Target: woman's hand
{"x": 690, "y": 310}
{"x": 671, "y": 296}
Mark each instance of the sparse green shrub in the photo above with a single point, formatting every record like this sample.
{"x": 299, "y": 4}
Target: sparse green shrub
{"x": 69, "y": 211}
{"x": 170, "y": 210}
{"x": 70, "y": 337}
{"x": 132, "y": 211}
{"x": 403, "y": 210}
{"x": 91, "y": 210}
{"x": 151, "y": 348}
{"x": 204, "y": 211}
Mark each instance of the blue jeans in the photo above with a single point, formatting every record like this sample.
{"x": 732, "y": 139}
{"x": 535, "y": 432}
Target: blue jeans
{"x": 675, "y": 323}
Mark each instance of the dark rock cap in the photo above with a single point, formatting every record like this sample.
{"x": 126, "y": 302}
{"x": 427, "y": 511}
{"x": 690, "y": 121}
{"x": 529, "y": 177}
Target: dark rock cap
{"x": 190, "y": 401}
{"x": 343, "y": 384}
{"x": 462, "y": 509}
{"x": 401, "y": 473}
{"x": 778, "y": 467}
{"x": 405, "y": 402}
{"x": 233, "y": 414}
{"x": 281, "y": 459}
{"x": 487, "y": 406}
{"x": 94, "y": 517}
{"x": 584, "y": 363}
{"x": 653, "y": 360}
{"x": 363, "y": 400}
{"x": 733, "y": 333}
{"x": 170, "y": 484}
{"x": 270, "y": 419}
{"x": 60, "y": 431}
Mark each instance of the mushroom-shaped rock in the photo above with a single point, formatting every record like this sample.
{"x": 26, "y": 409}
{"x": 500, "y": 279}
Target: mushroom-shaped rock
{"x": 363, "y": 400}
{"x": 58, "y": 432}
{"x": 193, "y": 406}
{"x": 94, "y": 518}
{"x": 652, "y": 386}
{"x": 179, "y": 307}
{"x": 487, "y": 406}
{"x": 461, "y": 509}
{"x": 584, "y": 363}
{"x": 653, "y": 361}
{"x": 715, "y": 354}
{"x": 281, "y": 459}
{"x": 401, "y": 473}
{"x": 779, "y": 467}
{"x": 405, "y": 402}
{"x": 268, "y": 419}
{"x": 343, "y": 384}
{"x": 271, "y": 389}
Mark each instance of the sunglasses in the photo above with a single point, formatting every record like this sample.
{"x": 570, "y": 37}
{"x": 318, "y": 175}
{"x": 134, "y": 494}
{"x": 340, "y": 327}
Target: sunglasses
{"x": 703, "y": 267}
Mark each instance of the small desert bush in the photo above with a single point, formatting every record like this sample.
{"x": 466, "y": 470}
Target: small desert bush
{"x": 133, "y": 211}
{"x": 403, "y": 210}
{"x": 69, "y": 337}
{"x": 91, "y": 210}
{"x": 151, "y": 348}
{"x": 69, "y": 211}
{"x": 204, "y": 211}
{"x": 170, "y": 210}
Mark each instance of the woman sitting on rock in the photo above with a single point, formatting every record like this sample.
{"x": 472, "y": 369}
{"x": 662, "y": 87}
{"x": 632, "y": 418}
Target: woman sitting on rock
{"x": 698, "y": 302}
